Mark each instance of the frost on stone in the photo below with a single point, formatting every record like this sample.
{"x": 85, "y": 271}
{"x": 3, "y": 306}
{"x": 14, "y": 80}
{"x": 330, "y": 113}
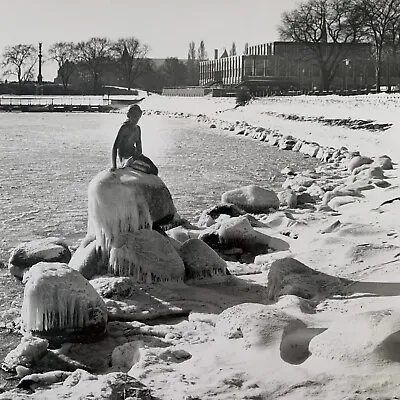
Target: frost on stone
{"x": 109, "y": 215}
{"x": 147, "y": 256}
{"x": 125, "y": 202}
{"x": 201, "y": 261}
{"x": 56, "y": 297}
{"x": 26, "y": 353}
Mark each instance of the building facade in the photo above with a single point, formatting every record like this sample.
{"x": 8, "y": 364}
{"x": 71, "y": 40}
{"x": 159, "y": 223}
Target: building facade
{"x": 289, "y": 65}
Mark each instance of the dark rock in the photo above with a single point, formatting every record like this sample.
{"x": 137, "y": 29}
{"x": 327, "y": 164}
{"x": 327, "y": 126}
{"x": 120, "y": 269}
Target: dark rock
{"x": 289, "y": 276}
{"x": 200, "y": 260}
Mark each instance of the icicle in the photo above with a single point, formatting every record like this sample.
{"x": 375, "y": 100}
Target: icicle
{"x": 57, "y": 297}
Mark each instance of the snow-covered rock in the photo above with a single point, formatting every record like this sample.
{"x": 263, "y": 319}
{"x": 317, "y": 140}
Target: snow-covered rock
{"x": 124, "y": 357}
{"x": 88, "y": 260}
{"x": 26, "y": 353}
{"x": 51, "y": 249}
{"x": 252, "y": 199}
{"x": 147, "y": 256}
{"x": 288, "y": 198}
{"x": 357, "y": 161}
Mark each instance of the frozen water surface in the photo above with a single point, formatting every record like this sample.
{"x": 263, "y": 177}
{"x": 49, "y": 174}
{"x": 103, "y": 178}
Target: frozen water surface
{"x": 49, "y": 159}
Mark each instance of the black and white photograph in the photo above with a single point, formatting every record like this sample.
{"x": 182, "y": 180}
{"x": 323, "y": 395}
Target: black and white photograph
{"x": 198, "y": 200}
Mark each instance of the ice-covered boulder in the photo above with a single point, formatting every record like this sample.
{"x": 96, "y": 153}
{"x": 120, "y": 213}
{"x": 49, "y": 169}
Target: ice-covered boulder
{"x": 30, "y": 350}
{"x": 51, "y": 249}
{"x": 124, "y": 357}
{"x": 114, "y": 287}
{"x": 79, "y": 385}
{"x": 310, "y": 149}
{"x": 179, "y": 233}
{"x": 126, "y": 201}
{"x": 60, "y": 305}
{"x": 357, "y": 161}
{"x": 252, "y": 199}
{"x": 87, "y": 260}
{"x": 209, "y": 216}
{"x": 236, "y": 239}
{"x": 147, "y": 256}
{"x": 239, "y": 232}
{"x": 288, "y": 198}
{"x": 200, "y": 260}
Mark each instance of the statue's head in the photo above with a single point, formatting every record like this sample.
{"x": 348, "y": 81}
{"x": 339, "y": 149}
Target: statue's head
{"x": 134, "y": 112}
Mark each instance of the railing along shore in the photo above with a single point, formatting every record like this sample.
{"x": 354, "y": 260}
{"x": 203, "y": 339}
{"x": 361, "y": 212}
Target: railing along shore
{"x": 55, "y": 103}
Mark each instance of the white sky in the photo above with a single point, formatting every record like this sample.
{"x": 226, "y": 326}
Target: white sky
{"x": 166, "y": 26}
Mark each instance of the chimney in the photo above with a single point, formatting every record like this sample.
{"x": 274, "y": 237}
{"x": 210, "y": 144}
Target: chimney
{"x": 215, "y": 54}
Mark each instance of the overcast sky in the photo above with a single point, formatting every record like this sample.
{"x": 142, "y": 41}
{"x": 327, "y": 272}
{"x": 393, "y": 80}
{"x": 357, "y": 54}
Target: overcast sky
{"x": 166, "y": 26}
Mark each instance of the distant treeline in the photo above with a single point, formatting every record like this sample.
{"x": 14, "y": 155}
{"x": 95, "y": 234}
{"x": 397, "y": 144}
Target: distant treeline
{"x": 88, "y": 67}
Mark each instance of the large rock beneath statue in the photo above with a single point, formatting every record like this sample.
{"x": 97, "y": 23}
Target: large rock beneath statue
{"x": 126, "y": 201}
{"x": 51, "y": 249}
{"x": 253, "y": 199}
{"x": 61, "y": 306}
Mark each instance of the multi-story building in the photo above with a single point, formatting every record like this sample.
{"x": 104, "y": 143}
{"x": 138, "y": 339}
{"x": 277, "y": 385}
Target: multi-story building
{"x": 285, "y": 65}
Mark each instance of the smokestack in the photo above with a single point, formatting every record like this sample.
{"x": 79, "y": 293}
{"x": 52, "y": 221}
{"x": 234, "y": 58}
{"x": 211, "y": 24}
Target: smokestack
{"x": 215, "y": 54}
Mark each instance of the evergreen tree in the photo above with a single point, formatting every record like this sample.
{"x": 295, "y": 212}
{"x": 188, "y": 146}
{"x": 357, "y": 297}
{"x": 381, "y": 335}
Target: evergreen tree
{"x": 232, "y": 51}
{"x": 201, "y": 52}
{"x": 192, "y": 65}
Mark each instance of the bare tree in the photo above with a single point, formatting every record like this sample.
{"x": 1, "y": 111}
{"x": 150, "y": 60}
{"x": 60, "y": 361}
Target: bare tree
{"x": 380, "y": 17}
{"x": 201, "y": 52}
{"x": 232, "y": 51}
{"x": 325, "y": 28}
{"x": 94, "y": 54}
{"x": 131, "y": 57}
{"x": 393, "y": 41}
{"x": 65, "y": 54}
{"x": 19, "y": 60}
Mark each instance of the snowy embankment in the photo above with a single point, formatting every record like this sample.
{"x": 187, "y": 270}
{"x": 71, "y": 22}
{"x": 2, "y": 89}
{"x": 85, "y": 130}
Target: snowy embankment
{"x": 273, "y": 113}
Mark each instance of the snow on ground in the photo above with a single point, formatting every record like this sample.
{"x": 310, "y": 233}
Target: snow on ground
{"x": 357, "y": 356}
{"x": 381, "y": 108}
{"x": 348, "y": 346}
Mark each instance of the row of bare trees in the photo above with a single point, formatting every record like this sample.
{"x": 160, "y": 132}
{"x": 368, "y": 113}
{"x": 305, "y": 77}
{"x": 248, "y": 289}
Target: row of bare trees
{"x": 99, "y": 58}
{"x": 328, "y": 27}
{"x": 127, "y": 55}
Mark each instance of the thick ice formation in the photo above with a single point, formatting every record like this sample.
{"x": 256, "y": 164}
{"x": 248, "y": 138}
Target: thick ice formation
{"x": 147, "y": 256}
{"x": 56, "y": 297}
{"x": 126, "y": 201}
